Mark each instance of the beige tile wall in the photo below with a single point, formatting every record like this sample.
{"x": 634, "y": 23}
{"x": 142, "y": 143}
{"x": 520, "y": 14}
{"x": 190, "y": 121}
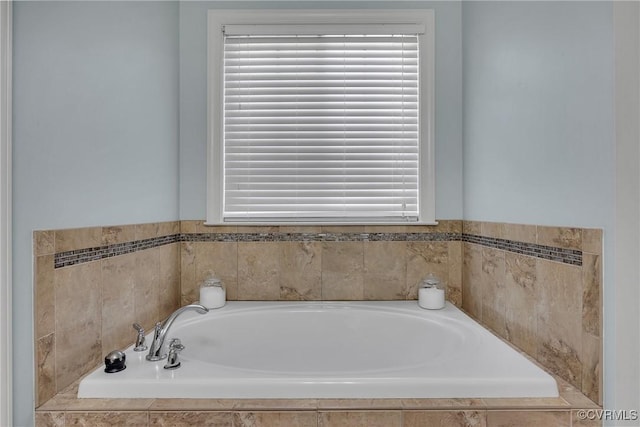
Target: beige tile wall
{"x": 311, "y": 270}
{"x": 65, "y": 409}
{"x": 551, "y": 310}
{"x": 84, "y": 311}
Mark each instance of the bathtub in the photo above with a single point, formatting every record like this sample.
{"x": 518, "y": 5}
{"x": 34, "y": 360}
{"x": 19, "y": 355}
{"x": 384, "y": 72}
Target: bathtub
{"x": 390, "y": 349}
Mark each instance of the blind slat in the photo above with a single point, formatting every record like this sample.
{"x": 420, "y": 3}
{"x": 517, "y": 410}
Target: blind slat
{"x": 320, "y": 126}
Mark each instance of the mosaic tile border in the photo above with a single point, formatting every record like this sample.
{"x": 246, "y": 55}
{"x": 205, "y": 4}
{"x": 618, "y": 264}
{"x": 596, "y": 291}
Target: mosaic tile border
{"x": 566, "y": 256}
{"x": 319, "y": 237}
{"x": 69, "y": 258}
{"x": 79, "y": 256}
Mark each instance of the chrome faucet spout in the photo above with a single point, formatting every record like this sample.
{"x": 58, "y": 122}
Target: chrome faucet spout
{"x": 160, "y": 331}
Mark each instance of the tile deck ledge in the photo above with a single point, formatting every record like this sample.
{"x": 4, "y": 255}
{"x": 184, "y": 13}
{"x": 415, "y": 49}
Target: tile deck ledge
{"x": 67, "y": 400}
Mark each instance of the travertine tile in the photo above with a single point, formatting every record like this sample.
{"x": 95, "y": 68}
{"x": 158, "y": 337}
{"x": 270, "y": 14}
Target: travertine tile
{"x": 106, "y": 419}
{"x": 78, "y": 322}
{"x": 591, "y": 367}
{"x": 573, "y": 396}
{"x": 560, "y": 237}
{"x": 258, "y": 271}
{"x": 360, "y": 419}
{"x": 580, "y": 418}
{"x": 45, "y": 369}
{"x": 432, "y": 253}
{"x": 169, "y": 260}
{"x": 388, "y": 229}
{"x": 365, "y": 404}
{"x": 188, "y": 419}
{"x": 592, "y": 241}
{"x": 454, "y": 286}
{"x": 521, "y": 301}
{"x": 385, "y": 271}
{"x": 188, "y": 287}
{"x": 559, "y": 320}
{"x": 188, "y": 226}
{"x": 559, "y": 358}
{"x": 528, "y": 418}
{"x": 301, "y": 229}
{"x": 451, "y": 225}
{"x": 457, "y": 403}
{"x": 425, "y": 229}
{"x": 519, "y": 232}
{"x": 442, "y": 226}
{"x": 216, "y": 259}
{"x": 258, "y": 229}
{"x": 343, "y": 228}
{"x": 146, "y": 289}
{"x": 493, "y": 290}
{"x": 118, "y": 234}
{"x": 300, "y": 271}
{"x": 342, "y": 270}
{"x": 472, "y": 227}
{"x": 118, "y": 296}
{"x": 78, "y": 238}
{"x": 275, "y": 419}
{"x": 50, "y": 419}
{"x": 471, "y": 286}
{"x": 43, "y": 242}
{"x": 529, "y": 403}
{"x": 445, "y": 418}
{"x": 147, "y": 231}
{"x": 591, "y": 298}
{"x": 168, "y": 228}
{"x": 200, "y": 227}
{"x": 64, "y": 401}
{"x": 491, "y": 229}
{"x": 424, "y": 258}
{"x": 44, "y": 301}
{"x": 233, "y": 404}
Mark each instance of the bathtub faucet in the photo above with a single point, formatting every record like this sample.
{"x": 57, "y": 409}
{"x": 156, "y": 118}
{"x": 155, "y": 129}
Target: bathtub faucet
{"x": 160, "y": 332}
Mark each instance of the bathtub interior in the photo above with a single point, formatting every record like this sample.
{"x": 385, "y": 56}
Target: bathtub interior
{"x": 390, "y": 349}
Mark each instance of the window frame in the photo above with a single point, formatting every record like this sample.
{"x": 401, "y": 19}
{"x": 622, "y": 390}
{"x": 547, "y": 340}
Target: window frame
{"x": 215, "y": 40}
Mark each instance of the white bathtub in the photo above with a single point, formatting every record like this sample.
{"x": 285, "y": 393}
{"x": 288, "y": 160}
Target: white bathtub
{"x": 328, "y": 350}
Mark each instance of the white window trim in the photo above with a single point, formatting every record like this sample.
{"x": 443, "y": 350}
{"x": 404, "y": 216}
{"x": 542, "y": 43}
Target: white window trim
{"x": 6, "y": 382}
{"x": 218, "y": 18}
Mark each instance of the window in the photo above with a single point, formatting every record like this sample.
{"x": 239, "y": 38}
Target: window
{"x": 320, "y": 116}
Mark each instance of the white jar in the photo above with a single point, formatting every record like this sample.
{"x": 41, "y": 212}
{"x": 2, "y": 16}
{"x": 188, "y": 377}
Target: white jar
{"x": 431, "y": 293}
{"x": 212, "y": 294}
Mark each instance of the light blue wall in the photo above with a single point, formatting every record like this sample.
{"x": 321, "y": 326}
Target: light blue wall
{"x": 95, "y": 133}
{"x": 538, "y": 122}
{"x": 193, "y": 97}
{"x": 98, "y": 87}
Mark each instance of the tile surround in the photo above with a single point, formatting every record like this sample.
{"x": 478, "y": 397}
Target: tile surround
{"x": 84, "y": 310}
{"x": 66, "y": 409}
{"x": 497, "y": 272}
{"x": 546, "y": 302}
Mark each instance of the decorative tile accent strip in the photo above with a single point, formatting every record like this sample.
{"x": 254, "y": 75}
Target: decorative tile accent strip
{"x": 319, "y": 237}
{"x": 567, "y": 256}
{"x": 64, "y": 259}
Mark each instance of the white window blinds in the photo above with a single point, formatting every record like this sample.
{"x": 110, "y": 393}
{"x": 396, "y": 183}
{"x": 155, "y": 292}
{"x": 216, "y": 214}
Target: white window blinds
{"x": 320, "y": 127}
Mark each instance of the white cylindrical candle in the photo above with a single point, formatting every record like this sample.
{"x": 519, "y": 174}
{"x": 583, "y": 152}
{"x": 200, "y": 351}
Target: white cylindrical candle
{"x": 431, "y": 298}
{"x": 212, "y": 296}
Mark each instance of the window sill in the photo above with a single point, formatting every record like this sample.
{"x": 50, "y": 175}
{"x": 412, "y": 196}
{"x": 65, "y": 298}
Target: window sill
{"x": 318, "y": 223}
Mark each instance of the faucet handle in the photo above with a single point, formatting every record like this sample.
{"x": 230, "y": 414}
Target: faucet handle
{"x": 140, "y": 346}
{"x": 175, "y": 347}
